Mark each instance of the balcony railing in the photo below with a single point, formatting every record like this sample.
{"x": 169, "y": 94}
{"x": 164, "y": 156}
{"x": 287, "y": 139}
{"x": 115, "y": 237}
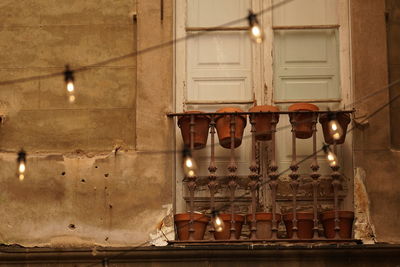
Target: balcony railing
{"x": 262, "y": 226}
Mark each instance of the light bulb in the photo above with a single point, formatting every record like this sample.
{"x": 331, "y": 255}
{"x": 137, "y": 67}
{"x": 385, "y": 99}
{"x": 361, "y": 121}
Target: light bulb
{"x": 189, "y": 165}
{"x": 330, "y": 156}
{"x": 256, "y": 32}
{"x": 21, "y": 167}
{"x": 189, "y": 162}
{"x": 70, "y": 86}
{"x": 218, "y": 223}
{"x": 69, "y": 80}
{"x": 21, "y": 162}
{"x": 335, "y": 130}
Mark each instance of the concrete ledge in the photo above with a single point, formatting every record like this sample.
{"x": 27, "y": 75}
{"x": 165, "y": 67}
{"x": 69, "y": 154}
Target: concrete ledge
{"x": 222, "y": 255}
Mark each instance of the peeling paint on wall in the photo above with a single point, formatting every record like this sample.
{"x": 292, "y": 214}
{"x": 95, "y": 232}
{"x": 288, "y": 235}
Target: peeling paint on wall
{"x": 363, "y": 227}
{"x": 165, "y": 229}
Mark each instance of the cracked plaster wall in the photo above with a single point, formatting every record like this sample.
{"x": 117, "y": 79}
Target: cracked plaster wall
{"x": 373, "y": 154}
{"x": 88, "y": 180}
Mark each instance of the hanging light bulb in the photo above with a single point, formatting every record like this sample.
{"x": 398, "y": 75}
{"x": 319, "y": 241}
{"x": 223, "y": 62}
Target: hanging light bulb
{"x": 335, "y": 130}
{"x": 333, "y": 161}
{"x": 69, "y": 80}
{"x": 255, "y": 30}
{"x": 189, "y": 164}
{"x": 218, "y": 223}
{"x": 21, "y": 162}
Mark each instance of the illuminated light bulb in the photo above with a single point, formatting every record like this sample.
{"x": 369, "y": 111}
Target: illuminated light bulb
{"x": 335, "y": 130}
{"x": 255, "y": 30}
{"x": 69, "y": 80}
{"x": 189, "y": 162}
{"x": 21, "y": 161}
{"x": 21, "y": 167}
{"x": 218, "y": 223}
{"x": 70, "y": 86}
{"x": 330, "y": 156}
{"x": 189, "y": 165}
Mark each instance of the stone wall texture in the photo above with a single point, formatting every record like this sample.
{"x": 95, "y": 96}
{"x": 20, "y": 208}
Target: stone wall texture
{"x": 100, "y": 170}
{"x": 93, "y": 176}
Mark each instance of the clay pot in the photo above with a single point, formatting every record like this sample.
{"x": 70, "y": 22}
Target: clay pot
{"x": 346, "y": 219}
{"x": 199, "y": 225}
{"x": 223, "y": 125}
{"x": 225, "y": 233}
{"x": 303, "y": 128}
{"x": 342, "y": 118}
{"x": 264, "y": 224}
{"x": 201, "y": 125}
{"x": 305, "y": 224}
{"x": 263, "y": 121}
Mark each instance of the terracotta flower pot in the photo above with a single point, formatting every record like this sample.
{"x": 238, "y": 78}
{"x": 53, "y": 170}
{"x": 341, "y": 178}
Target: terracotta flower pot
{"x": 346, "y": 219}
{"x": 303, "y": 128}
{"x": 223, "y": 125}
{"x": 201, "y": 125}
{"x": 305, "y": 224}
{"x": 263, "y": 121}
{"x": 199, "y": 225}
{"x": 342, "y": 118}
{"x": 225, "y": 233}
{"x": 264, "y": 224}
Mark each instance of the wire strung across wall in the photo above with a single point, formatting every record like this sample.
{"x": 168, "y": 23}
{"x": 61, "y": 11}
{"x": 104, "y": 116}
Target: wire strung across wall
{"x": 251, "y": 18}
{"x": 380, "y": 108}
{"x": 84, "y": 68}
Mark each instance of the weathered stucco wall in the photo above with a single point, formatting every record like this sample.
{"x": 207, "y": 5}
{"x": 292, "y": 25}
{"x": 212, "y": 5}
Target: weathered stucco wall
{"x": 393, "y": 31}
{"x": 372, "y": 145}
{"x": 90, "y": 178}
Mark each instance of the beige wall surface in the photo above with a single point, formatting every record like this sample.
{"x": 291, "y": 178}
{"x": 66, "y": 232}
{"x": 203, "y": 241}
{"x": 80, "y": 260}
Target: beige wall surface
{"x": 96, "y": 175}
{"x": 393, "y": 31}
{"x": 372, "y": 145}
{"x": 90, "y": 179}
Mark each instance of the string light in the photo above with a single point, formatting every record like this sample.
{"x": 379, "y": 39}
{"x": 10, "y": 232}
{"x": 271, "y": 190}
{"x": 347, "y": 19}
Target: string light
{"x": 335, "y": 130}
{"x": 333, "y": 161}
{"x": 21, "y": 162}
{"x": 189, "y": 164}
{"x": 69, "y": 80}
{"x": 255, "y": 30}
{"x": 217, "y": 222}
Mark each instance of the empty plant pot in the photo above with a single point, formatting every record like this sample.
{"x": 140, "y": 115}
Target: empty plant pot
{"x": 346, "y": 219}
{"x": 263, "y": 121}
{"x": 223, "y": 125}
{"x": 226, "y": 233}
{"x": 303, "y": 121}
{"x": 182, "y": 223}
{"x": 342, "y": 118}
{"x": 201, "y": 125}
{"x": 263, "y": 223}
{"x": 305, "y": 224}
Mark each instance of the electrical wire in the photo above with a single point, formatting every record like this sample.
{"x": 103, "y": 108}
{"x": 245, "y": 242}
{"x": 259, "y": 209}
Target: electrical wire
{"x": 146, "y": 50}
{"x": 261, "y": 184}
{"x": 140, "y": 52}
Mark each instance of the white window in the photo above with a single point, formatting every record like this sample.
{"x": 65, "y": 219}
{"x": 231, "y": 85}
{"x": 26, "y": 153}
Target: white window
{"x": 304, "y": 58}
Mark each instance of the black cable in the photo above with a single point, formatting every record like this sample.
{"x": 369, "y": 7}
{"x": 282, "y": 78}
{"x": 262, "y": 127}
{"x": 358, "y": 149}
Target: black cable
{"x": 140, "y": 52}
{"x": 262, "y": 183}
{"x": 179, "y": 40}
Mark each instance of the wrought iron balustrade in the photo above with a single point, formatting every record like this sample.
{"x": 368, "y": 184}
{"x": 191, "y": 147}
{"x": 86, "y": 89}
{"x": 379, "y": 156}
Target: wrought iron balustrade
{"x": 261, "y": 226}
